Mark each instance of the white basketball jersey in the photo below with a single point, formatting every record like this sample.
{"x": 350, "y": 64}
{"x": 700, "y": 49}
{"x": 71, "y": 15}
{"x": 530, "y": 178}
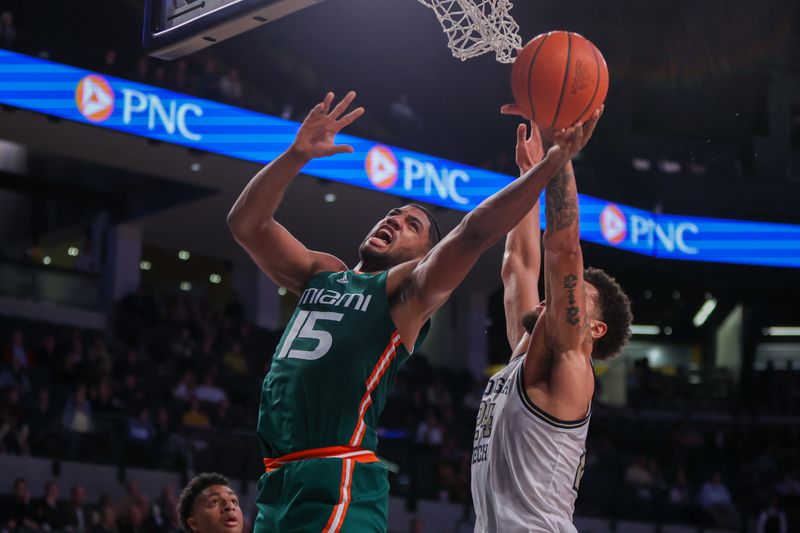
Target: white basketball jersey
{"x": 526, "y": 464}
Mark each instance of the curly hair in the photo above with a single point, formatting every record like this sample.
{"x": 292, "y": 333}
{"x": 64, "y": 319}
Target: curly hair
{"x": 189, "y": 494}
{"x": 615, "y": 311}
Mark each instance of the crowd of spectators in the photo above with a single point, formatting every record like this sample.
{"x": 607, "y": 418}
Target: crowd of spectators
{"x": 135, "y": 512}
{"x": 175, "y": 379}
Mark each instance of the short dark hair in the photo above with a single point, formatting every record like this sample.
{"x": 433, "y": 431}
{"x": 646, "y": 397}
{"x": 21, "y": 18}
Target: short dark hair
{"x": 434, "y": 233}
{"x": 615, "y": 310}
{"x": 190, "y": 493}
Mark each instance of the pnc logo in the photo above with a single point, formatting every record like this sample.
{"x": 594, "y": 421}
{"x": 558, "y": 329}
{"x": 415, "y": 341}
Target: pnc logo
{"x": 613, "y": 224}
{"x": 95, "y": 98}
{"x": 381, "y": 166}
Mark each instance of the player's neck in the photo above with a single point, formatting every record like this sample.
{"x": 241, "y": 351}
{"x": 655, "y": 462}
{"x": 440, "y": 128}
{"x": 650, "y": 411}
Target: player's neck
{"x": 371, "y": 267}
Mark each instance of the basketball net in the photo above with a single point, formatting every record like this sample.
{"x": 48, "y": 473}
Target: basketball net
{"x": 474, "y": 27}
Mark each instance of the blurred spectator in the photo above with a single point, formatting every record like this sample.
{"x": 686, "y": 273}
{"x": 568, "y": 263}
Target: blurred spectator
{"x": 8, "y": 32}
{"x": 17, "y": 511}
{"x": 78, "y": 515}
{"x": 17, "y": 351}
{"x": 235, "y": 361}
{"x": 77, "y": 419}
{"x": 438, "y": 395}
{"x": 195, "y": 416}
{"x": 183, "y": 346}
{"x": 14, "y": 430}
{"x": 715, "y": 498}
{"x": 132, "y": 396}
{"x": 208, "y": 391}
{"x": 430, "y": 430}
{"x": 43, "y": 421}
{"x": 230, "y": 86}
{"x": 50, "y": 513}
{"x": 131, "y": 364}
{"x": 640, "y": 479}
{"x": 15, "y": 375}
{"x": 108, "y": 520}
{"x": 772, "y": 519}
{"x": 185, "y": 389}
{"x": 163, "y": 517}
{"x": 46, "y": 356}
{"x": 133, "y": 521}
{"x": 224, "y": 418}
{"x": 104, "y": 400}
{"x": 141, "y": 428}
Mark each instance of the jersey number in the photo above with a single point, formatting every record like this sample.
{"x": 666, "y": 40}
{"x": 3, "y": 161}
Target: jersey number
{"x": 303, "y": 328}
{"x": 483, "y": 427}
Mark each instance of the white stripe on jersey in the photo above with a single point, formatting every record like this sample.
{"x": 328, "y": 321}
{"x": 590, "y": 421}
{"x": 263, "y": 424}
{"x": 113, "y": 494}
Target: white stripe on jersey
{"x": 526, "y": 464}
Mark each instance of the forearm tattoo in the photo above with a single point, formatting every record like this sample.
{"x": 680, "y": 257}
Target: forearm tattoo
{"x": 573, "y": 313}
{"x": 561, "y": 203}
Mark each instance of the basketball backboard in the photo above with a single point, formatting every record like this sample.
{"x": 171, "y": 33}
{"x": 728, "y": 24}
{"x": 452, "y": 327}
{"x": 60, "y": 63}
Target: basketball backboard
{"x": 175, "y": 28}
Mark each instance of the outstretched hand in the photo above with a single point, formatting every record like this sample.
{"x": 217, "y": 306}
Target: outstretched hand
{"x": 570, "y": 141}
{"x": 315, "y": 138}
{"x": 529, "y": 147}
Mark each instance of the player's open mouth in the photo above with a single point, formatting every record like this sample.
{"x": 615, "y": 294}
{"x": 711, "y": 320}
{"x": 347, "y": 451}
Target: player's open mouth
{"x": 230, "y": 522}
{"x": 382, "y": 238}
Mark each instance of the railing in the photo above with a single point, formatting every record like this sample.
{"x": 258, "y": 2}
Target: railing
{"x": 39, "y": 283}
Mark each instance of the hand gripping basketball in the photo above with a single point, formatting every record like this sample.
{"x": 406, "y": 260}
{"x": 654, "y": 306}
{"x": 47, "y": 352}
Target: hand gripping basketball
{"x": 315, "y": 138}
{"x": 570, "y": 141}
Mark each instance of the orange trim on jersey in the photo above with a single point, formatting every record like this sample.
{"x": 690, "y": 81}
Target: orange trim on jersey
{"x": 336, "y": 520}
{"x": 357, "y": 455}
{"x": 372, "y": 381}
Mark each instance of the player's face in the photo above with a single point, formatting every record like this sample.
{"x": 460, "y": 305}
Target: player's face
{"x": 402, "y": 235}
{"x": 216, "y": 510}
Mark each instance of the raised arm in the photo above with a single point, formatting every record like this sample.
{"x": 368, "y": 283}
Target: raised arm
{"x": 522, "y": 257}
{"x": 430, "y": 282}
{"x": 563, "y": 363}
{"x": 252, "y": 219}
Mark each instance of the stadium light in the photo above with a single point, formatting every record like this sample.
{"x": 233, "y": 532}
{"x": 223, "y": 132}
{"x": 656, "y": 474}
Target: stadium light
{"x": 145, "y": 265}
{"x": 184, "y": 255}
{"x": 330, "y": 197}
{"x": 782, "y": 331}
{"x": 215, "y": 278}
{"x": 46, "y": 260}
{"x": 282, "y": 291}
{"x": 72, "y": 251}
{"x": 638, "y": 329}
{"x": 186, "y": 286}
{"x": 704, "y": 312}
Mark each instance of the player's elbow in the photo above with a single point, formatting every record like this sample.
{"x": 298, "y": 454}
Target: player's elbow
{"x": 475, "y": 232}
{"x": 245, "y": 231}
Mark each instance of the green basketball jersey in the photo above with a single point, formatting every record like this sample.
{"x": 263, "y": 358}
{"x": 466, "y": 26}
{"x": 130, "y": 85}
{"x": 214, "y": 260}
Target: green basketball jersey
{"x": 333, "y": 368}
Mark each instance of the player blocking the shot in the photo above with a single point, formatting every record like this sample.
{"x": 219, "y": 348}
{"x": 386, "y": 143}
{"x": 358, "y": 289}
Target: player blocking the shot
{"x": 530, "y": 435}
{"x": 353, "y": 328}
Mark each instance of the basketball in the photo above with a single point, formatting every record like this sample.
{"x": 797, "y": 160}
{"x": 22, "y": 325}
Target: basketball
{"x": 558, "y": 79}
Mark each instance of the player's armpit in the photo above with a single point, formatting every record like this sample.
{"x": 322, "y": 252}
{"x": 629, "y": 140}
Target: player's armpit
{"x": 417, "y": 289}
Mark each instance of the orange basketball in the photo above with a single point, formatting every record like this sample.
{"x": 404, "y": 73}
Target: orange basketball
{"x": 558, "y": 79}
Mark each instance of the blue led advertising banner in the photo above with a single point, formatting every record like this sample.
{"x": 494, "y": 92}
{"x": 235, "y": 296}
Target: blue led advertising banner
{"x": 83, "y": 96}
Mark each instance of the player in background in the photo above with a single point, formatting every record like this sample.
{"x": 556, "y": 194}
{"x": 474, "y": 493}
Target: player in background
{"x": 208, "y": 504}
{"x": 530, "y": 436}
{"x": 352, "y": 328}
